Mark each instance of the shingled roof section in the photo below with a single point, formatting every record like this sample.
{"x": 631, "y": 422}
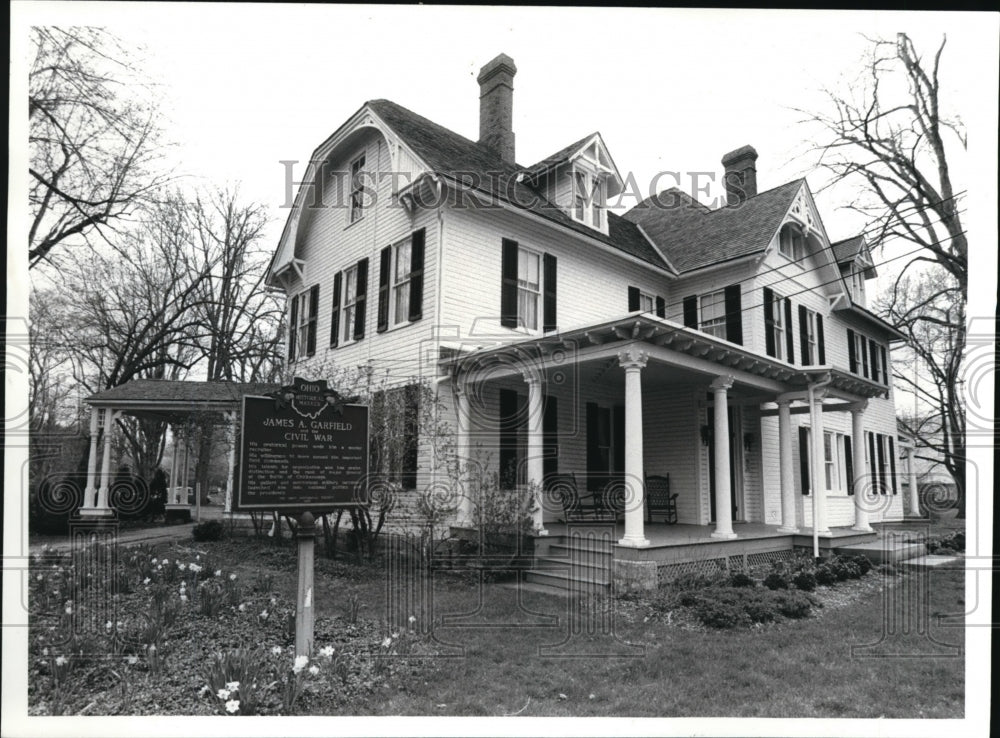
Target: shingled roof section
{"x": 455, "y": 156}
{"x": 560, "y": 156}
{"x": 180, "y": 391}
{"x": 847, "y": 250}
{"x": 693, "y": 236}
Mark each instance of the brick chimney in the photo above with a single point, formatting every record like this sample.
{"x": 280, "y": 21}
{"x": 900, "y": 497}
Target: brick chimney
{"x": 741, "y": 174}
{"x": 496, "y": 107}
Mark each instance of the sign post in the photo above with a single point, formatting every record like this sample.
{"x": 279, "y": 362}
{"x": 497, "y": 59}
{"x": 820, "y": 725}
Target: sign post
{"x": 304, "y": 451}
{"x": 306, "y": 535}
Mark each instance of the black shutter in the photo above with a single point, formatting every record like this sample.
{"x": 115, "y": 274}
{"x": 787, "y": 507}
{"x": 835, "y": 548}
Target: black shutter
{"x": 508, "y": 285}
{"x": 385, "y": 262}
{"x": 633, "y": 299}
{"x": 618, "y": 438}
{"x": 734, "y": 314}
{"x": 804, "y": 458}
{"x": 335, "y": 314}
{"x": 820, "y": 341}
{"x": 873, "y": 470}
{"x": 550, "y": 434}
{"x": 880, "y": 450}
{"x": 408, "y": 478}
{"x": 892, "y": 463}
{"x": 691, "y": 311}
{"x": 508, "y": 438}
{"x": 789, "y": 338}
{"x": 864, "y": 357}
{"x": 849, "y": 464}
{"x": 885, "y": 366}
{"x": 769, "y": 321}
{"x": 804, "y": 335}
{"x": 416, "y": 310}
{"x": 873, "y": 352}
{"x": 661, "y": 307}
{"x": 549, "y": 320}
{"x": 852, "y": 359}
{"x": 594, "y": 464}
{"x": 293, "y": 321}
{"x": 359, "y": 308}
{"x": 313, "y": 312}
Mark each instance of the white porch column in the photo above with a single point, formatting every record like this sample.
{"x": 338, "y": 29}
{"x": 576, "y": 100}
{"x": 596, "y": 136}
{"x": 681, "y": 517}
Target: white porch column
{"x": 463, "y": 412}
{"x": 183, "y": 491}
{"x": 911, "y": 468}
{"x": 786, "y": 468}
{"x": 102, "y": 493}
{"x": 536, "y": 463}
{"x": 723, "y": 505}
{"x": 172, "y": 489}
{"x": 90, "y": 495}
{"x": 233, "y": 434}
{"x": 817, "y": 477}
{"x": 861, "y": 491}
{"x": 632, "y": 360}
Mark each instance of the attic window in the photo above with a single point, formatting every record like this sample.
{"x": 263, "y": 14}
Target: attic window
{"x": 792, "y": 242}
{"x": 588, "y": 199}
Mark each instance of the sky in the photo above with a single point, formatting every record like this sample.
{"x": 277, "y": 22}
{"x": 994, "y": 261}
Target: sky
{"x": 244, "y": 87}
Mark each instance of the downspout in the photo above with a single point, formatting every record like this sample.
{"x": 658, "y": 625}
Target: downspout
{"x": 814, "y": 476}
{"x": 439, "y": 268}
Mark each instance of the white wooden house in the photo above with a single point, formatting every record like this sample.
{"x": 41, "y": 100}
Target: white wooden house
{"x": 710, "y": 345}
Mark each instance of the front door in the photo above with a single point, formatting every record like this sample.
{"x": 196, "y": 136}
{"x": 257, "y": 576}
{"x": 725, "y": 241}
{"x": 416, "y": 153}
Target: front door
{"x": 734, "y": 461}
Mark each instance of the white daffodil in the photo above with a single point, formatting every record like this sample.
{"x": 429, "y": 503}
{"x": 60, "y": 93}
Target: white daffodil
{"x": 326, "y": 652}
{"x": 300, "y": 663}
{"x": 232, "y": 706}
{"x": 276, "y": 650}
{"x": 314, "y": 670}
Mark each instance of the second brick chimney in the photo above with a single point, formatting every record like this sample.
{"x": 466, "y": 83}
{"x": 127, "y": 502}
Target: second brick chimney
{"x": 496, "y": 107}
{"x": 741, "y": 174}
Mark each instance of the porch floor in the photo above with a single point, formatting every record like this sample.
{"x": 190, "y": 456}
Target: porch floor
{"x": 681, "y": 534}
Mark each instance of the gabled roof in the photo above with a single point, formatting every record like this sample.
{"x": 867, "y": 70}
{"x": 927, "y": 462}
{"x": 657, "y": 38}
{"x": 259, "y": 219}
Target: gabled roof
{"x": 847, "y": 250}
{"x": 693, "y": 236}
{"x": 451, "y": 155}
{"x": 559, "y": 157}
{"x": 156, "y": 391}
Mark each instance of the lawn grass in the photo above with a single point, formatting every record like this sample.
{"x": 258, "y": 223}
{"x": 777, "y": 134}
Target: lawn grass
{"x": 488, "y": 649}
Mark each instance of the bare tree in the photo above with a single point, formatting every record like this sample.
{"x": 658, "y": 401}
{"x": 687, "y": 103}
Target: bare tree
{"x": 891, "y": 138}
{"x": 93, "y": 138}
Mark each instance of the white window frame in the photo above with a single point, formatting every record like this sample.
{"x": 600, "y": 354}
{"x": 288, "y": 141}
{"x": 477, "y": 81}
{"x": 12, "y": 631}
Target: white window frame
{"x": 647, "y": 303}
{"x": 349, "y": 303}
{"x": 811, "y": 337}
{"x": 858, "y": 282}
{"x": 531, "y": 291}
{"x": 861, "y": 355}
{"x": 399, "y": 283}
{"x": 302, "y": 328}
{"x": 588, "y": 205}
{"x": 716, "y": 325}
{"x": 357, "y": 195}
{"x": 792, "y": 246}
{"x": 778, "y": 324}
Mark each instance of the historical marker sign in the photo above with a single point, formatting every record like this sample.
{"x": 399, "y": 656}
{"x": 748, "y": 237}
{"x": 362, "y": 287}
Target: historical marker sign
{"x": 303, "y": 450}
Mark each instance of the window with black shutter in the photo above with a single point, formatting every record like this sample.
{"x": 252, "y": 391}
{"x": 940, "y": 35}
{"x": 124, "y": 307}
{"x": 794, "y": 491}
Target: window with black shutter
{"x": 849, "y": 464}
{"x": 598, "y": 446}
{"x": 661, "y": 307}
{"x": 361, "y": 293}
{"x": 804, "y": 335}
{"x": 880, "y": 450}
{"x": 384, "y": 274}
{"x": 852, "y": 359}
{"x": 734, "y": 314}
{"x": 885, "y": 366}
{"x": 293, "y": 327}
{"x": 892, "y": 463}
{"x": 509, "y": 421}
{"x": 335, "y": 315}
{"x": 416, "y": 302}
{"x": 789, "y": 335}
{"x": 633, "y": 299}
{"x": 804, "y": 458}
{"x": 508, "y": 284}
{"x": 549, "y": 281}
{"x": 820, "y": 342}
{"x": 873, "y": 351}
{"x": 691, "y": 311}
{"x": 769, "y": 343}
{"x": 550, "y": 435}
{"x": 311, "y": 327}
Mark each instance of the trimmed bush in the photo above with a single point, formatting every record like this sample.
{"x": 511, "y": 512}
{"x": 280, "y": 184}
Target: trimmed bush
{"x": 775, "y": 580}
{"x": 945, "y": 551}
{"x": 805, "y": 580}
{"x": 863, "y": 563}
{"x": 741, "y": 579}
{"x": 825, "y": 574}
{"x": 793, "y": 604}
{"x": 210, "y": 530}
{"x": 761, "y": 608}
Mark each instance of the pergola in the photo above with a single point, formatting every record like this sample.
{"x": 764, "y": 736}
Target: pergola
{"x": 171, "y": 401}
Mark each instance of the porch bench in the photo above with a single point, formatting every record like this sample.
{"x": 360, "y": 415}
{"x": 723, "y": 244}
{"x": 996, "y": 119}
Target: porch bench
{"x": 563, "y": 489}
{"x": 659, "y": 500}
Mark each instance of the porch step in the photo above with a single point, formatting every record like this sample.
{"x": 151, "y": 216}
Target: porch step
{"x": 587, "y": 569}
{"x": 565, "y": 581}
{"x": 930, "y": 561}
{"x": 567, "y": 551}
{"x": 884, "y": 551}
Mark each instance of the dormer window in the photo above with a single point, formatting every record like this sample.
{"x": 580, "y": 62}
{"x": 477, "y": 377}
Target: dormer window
{"x": 858, "y": 285}
{"x": 357, "y": 189}
{"x": 588, "y": 199}
{"x": 792, "y": 242}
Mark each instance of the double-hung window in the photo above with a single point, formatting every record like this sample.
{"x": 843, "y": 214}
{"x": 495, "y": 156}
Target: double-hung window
{"x": 791, "y": 242}
{"x": 810, "y": 331}
{"x": 302, "y": 334}
{"x": 647, "y": 303}
{"x": 713, "y": 314}
{"x": 529, "y": 288}
{"x": 357, "y": 189}
{"x": 777, "y": 326}
{"x": 588, "y": 199}
{"x": 401, "y": 282}
{"x": 350, "y": 302}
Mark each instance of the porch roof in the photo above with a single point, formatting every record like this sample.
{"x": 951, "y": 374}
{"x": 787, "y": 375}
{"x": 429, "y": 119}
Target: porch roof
{"x": 165, "y": 397}
{"x": 699, "y": 351}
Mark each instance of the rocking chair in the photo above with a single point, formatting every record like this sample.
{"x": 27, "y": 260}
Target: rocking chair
{"x": 659, "y": 500}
